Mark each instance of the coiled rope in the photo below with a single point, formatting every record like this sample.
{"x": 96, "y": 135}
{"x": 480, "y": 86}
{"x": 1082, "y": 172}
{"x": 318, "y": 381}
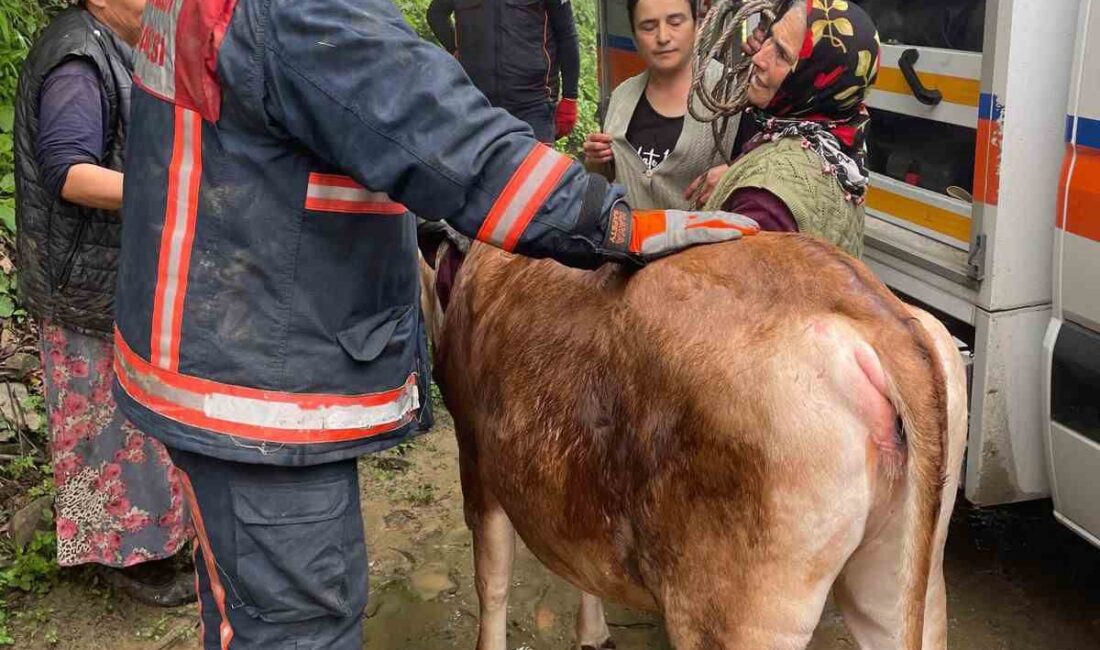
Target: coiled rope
{"x": 718, "y": 40}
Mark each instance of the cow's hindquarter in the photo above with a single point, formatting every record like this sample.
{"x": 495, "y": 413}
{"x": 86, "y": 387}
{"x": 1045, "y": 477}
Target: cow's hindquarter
{"x": 695, "y": 436}
{"x": 871, "y": 589}
{"x": 664, "y": 442}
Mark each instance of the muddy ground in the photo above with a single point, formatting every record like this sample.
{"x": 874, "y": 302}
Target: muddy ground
{"x": 1016, "y": 579}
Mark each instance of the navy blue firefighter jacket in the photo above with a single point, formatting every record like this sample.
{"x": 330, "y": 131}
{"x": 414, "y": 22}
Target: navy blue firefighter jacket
{"x": 267, "y": 306}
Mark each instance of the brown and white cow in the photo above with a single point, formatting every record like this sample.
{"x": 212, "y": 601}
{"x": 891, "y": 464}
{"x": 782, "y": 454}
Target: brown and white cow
{"x": 723, "y": 436}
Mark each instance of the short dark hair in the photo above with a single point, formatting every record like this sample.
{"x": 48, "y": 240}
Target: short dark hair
{"x": 631, "y": 5}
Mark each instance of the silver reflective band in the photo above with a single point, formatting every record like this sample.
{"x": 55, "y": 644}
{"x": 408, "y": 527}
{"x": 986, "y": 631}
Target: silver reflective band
{"x": 337, "y": 193}
{"x": 518, "y": 203}
{"x": 254, "y": 412}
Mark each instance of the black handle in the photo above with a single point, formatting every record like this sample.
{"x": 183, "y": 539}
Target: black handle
{"x": 926, "y": 96}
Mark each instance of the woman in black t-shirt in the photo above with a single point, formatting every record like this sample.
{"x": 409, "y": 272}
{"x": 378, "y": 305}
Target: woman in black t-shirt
{"x": 650, "y": 143}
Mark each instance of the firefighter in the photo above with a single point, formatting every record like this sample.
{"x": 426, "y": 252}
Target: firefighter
{"x": 267, "y": 322}
{"x": 515, "y": 52}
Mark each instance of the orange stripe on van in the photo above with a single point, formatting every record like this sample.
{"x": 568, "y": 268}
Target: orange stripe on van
{"x": 987, "y": 162}
{"x": 1080, "y": 212}
{"x": 956, "y": 90}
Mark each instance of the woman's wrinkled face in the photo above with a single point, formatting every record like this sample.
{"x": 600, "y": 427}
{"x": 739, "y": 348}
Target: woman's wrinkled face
{"x": 664, "y": 32}
{"x": 777, "y": 57}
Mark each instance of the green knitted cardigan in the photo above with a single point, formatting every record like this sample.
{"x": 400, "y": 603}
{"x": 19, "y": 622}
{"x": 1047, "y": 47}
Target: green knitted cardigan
{"x": 794, "y": 174}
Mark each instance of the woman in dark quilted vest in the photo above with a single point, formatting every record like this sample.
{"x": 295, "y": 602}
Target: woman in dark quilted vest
{"x": 119, "y": 502}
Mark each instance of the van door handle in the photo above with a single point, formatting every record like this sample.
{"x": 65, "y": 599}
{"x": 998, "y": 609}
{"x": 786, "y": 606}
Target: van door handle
{"x": 926, "y": 96}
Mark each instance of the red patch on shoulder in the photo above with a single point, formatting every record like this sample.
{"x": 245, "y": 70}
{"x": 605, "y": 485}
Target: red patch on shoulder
{"x": 202, "y": 29}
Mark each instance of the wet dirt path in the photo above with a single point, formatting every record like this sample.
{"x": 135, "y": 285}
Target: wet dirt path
{"x": 1016, "y": 581}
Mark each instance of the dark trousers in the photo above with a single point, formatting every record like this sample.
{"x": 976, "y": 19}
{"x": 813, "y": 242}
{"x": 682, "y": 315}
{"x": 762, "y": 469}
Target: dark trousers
{"x": 280, "y": 557}
{"x": 540, "y": 117}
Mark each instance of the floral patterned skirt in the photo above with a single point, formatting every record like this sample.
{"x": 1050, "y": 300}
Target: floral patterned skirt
{"x": 119, "y": 499}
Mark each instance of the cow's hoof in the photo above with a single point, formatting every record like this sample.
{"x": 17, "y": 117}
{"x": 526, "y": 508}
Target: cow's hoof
{"x": 606, "y": 645}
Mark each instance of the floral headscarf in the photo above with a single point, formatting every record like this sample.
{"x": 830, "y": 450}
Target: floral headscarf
{"x": 821, "y": 101}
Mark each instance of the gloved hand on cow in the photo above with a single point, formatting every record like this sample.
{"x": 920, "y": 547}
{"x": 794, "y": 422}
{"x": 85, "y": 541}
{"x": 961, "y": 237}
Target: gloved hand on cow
{"x": 646, "y": 235}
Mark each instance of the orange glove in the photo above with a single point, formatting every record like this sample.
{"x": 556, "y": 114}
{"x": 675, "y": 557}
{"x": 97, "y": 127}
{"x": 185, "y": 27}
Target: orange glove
{"x": 651, "y": 234}
{"x": 565, "y": 118}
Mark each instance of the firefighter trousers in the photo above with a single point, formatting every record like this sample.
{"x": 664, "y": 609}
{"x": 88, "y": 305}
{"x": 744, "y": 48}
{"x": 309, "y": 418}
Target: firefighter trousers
{"x": 280, "y": 556}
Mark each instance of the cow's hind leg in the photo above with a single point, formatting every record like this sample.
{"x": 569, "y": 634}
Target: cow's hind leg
{"x": 870, "y": 589}
{"x": 494, "y": 544}
{"x": 494, "y": 551}
{"x": 592, "y": 632}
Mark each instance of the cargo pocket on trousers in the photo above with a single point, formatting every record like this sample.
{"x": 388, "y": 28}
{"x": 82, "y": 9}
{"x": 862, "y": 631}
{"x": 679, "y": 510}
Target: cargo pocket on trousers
{"x": 291, "y": 560}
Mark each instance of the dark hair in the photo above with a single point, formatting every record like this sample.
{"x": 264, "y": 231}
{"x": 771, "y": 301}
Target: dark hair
{"x": 631, "y": 5}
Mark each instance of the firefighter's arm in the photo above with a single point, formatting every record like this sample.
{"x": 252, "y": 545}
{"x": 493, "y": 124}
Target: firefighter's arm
{"x": 439, "y": 20}
{"x": 354, "y": 84}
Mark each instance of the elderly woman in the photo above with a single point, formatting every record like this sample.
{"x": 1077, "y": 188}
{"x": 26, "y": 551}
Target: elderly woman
{"x": 803, "y": 168}
{"x": 119, "y": 502}
{"x": 652, "y": 145}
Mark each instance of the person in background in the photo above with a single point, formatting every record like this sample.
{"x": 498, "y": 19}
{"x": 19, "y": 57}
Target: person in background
{"x": 515, "y": 51}
{"x": 119, "y": 501}
{"x": 651, "y": 144}
{"x": 803, "y": 165}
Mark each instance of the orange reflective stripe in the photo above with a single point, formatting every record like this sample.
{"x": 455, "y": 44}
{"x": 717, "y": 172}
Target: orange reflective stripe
{"x": 549, "y": 181}
{"x": 225, "y": 630}
{"x": 335, "y": 193}
{"x": 177, "y": 236}
{"x": 262, "y": 415}
{"x": 523, "y": 195}
{"x": 192, "y": 197}
{"x": 507, "y": 196}
{"x": 157, "y": 339}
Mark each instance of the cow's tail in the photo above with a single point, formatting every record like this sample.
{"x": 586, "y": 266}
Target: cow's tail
{"x": 916, "y": 379}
